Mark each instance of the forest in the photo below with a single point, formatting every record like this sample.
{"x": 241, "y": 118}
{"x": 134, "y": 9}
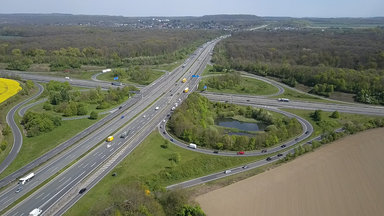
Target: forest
{"x": 69, "y": 47}
{"x": 345, "y": 60}
{"x": 194, "y": 121}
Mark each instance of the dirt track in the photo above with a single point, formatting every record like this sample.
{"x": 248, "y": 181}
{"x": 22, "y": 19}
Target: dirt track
{"x": 342, "y": 178}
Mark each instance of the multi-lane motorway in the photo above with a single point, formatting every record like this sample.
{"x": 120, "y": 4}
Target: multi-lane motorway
{"x": 162, "y": 91}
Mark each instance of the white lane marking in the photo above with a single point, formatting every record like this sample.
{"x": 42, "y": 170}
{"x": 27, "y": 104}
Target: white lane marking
{"x": 103, "y": 157}
{"x": 40, "y": 195}
{"x": 63, "y": 183}
{"x": 46, "y": 196}
{"x": 54, "y": 169}
{"x": 93, "y": 164}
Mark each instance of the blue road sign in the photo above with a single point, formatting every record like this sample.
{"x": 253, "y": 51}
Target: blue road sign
{"x": 193, "y": 75}
{"x": 115, "y": 78}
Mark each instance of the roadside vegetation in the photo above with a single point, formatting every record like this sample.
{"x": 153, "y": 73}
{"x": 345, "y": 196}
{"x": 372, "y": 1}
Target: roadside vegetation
{"x": 194, "y": 121}
{"x": 345, "y": 60}
{"x": 158, "y": 163}
{"x": 234, "y": 83}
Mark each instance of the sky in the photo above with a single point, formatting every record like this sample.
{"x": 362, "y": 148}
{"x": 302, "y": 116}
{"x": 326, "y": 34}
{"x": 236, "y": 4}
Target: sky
{"x": 291, "y": 8}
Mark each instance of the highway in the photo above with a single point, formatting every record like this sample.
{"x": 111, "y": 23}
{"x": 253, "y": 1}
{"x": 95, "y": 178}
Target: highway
{"x": 17, "y": 136}
{"x": 52, "y": 192}
{"x": 74, "y": 82}
{"x": 265, "y": 102}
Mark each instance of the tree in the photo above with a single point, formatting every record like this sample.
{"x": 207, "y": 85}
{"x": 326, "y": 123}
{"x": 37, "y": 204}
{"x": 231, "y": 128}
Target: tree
{"x": 93, "y": 115}
{"x": 316, "y": 116}
{"x": 6, "y": 130}
{"x": 335, "y": 115}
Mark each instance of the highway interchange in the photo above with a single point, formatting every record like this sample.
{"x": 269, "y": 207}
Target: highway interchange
{"x": 139, "y": 117}
{"x": 159, "y": 92}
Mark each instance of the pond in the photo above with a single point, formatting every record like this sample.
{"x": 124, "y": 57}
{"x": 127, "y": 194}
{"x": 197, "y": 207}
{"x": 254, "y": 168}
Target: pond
{"x": 244, "y": 126}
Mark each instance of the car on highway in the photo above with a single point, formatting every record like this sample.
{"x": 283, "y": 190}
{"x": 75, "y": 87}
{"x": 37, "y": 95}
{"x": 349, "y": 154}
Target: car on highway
{"x": 279, "y": 155}
{"x": 144, "y": 116}
{"x": 248, "y": 100}
{"x": 306, "y": 132}
{"x": 114, "y": 174}
{"x": 264, "y": 151}
{"x": 120, "y": 107}
{"x": 122, "y": 117}
{"x": 163, "y": 132}
{"x": 240, "y": 153}
{"x": 245, "y": 167}
{"x": 19, "y": 189}
{"x": 216, "y": 152}
{"x": 172, "y": 140}
{"x": 227, "y": 171}
{"x": 297, "y": 138}
{"x": 269, "y": 158}
{"x": 156, "y": 108}
{"x": 163, "y": 120}
{"x": 283, "y": 146}
{"x": 82, "y": 190}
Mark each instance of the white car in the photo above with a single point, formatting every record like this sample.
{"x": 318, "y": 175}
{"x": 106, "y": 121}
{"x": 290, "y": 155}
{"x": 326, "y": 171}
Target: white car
{"x": 227, "y": 171}
{"x": 156, "y": 108}
{"x": 144, "y": 116}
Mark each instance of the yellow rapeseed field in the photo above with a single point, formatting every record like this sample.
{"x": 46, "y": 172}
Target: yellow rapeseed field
{"x": 8, "y": 88}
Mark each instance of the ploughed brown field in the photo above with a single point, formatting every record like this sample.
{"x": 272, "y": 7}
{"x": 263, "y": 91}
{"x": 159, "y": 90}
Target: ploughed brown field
{"x": 343, "y": 178}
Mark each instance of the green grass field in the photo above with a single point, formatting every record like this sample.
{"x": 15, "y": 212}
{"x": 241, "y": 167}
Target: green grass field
{"x": 148, "y": 160}
{"x": 155, "y": 74}
{"x": 294, "y": 95}
{"x": 248, "y": 86}
{"x": 33, "y": 147}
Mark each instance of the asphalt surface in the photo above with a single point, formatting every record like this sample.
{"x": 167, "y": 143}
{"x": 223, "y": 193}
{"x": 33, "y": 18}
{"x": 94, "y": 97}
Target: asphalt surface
{"x": 254, "y": 100}
{"x": 53, "y": 191}
{"x": 74, "y": 82}
{"x": 17, "y": 136}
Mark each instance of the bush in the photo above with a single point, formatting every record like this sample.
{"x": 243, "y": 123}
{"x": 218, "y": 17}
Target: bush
{"x": 6, "y": 130}
{"x": 3, "y": 145}
{"x": 37, "y": 123}
{"x": 93, "y": 115}
{"x": 335, "y": 115}
{"x": 47, "y": 106}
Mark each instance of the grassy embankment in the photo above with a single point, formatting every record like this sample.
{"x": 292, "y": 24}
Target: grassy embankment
{"x": 33, "y": 147}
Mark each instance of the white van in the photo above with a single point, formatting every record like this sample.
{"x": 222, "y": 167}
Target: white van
{"x": 194, "y": 146}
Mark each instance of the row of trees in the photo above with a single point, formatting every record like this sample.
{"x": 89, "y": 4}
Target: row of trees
{"x": 194, "y": 121}
{"x": 294, "y": 57}
{"x": 349, "y": 127}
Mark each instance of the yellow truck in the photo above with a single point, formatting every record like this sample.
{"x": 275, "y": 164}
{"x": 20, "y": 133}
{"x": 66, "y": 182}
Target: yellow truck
{"x": 110, "y": 138}
{"x": 186, "y": 90}
{"x": 184, "y": 80}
